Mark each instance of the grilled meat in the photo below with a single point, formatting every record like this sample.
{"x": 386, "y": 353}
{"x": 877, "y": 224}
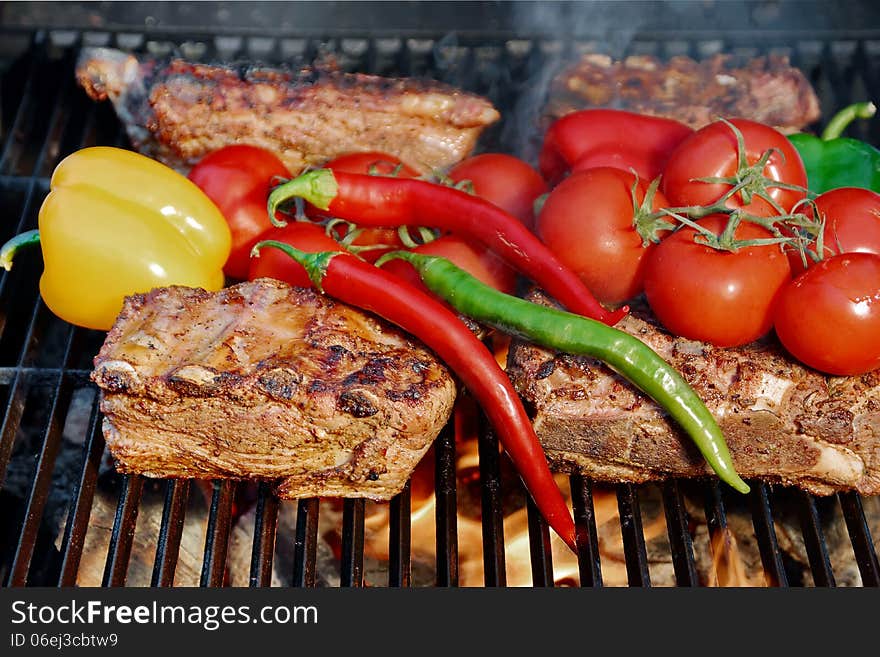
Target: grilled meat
{"x": 261, "y": 380}
{"x": 783, "y": 422}
{"x": 177, "y": 111}
{"x": 764, "y": 89}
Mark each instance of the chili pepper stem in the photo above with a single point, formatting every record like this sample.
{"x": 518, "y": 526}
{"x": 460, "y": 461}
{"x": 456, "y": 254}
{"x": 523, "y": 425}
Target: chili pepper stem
{"x": 556, "y": 329}
{"x": 21, "y": 241}
{"x": 315, "y": 264}
{"x": 844, "y": 117}
{"x": 318, "y": 187}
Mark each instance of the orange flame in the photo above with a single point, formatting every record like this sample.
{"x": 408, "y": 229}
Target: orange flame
{"x": 728, "y": 566}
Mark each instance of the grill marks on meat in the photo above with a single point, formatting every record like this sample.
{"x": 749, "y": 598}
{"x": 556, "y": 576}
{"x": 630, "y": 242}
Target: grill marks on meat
{"x": 783, "y": 422}
{"x": 765, "y": 89}
{"x": 261, "y": 380}
{"x": 178, "y": 112}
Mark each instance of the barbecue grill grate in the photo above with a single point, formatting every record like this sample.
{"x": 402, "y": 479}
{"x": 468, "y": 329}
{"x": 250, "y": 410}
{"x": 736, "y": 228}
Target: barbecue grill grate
{"x": 44, "y": 363}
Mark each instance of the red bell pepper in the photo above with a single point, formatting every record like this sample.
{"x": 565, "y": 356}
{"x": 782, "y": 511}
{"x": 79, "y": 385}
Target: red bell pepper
{"x": 606, "y": 137}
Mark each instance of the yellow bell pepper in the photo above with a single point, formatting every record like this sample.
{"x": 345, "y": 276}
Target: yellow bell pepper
{"x": 117, "y": 223}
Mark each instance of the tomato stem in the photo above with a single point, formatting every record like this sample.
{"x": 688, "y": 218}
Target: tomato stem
{"x": 648, "y": 224}
{"x": 748, "y": 182}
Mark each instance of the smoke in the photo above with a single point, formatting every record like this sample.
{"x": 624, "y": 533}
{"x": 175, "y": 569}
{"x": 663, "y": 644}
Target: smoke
{"x": 561, "y": 33}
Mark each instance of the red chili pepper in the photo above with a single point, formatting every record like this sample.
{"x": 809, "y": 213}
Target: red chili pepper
{"x": 390, "y": 202}
{"x": 605, "y": 137}
{"x": 351, "y": 280}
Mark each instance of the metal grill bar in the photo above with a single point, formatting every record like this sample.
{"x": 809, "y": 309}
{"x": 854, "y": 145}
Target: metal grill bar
{"x": 170, "y": 532}
{"x": 447, "y": 508}
{"x": 400, "y": 539}
{"x": 765, "y": 532}
{"x": 716, "y": 519}
{"x": 265, "y": 526}
{"x": 539, "y": 546}
{"x": 494, "y": 565}
{"x": 15, "y": 403}
{"x": 841, "y": 81}
{"x": 27, "y": 113}
{"x": 633, "y": 536}
{"x": 40, "y": 487}
{"x": 680, "y": 541}
{"x": 305, "y": 543}
{"x": 122, "y": 536}
{"x": 217, "y": 535}
{"x": 589, "y": 561}
{"x": 860, "y": 536}
{"x": 814, "y": 541}
{"x": 352, "y": 571}
{"x": 78, "y": 518}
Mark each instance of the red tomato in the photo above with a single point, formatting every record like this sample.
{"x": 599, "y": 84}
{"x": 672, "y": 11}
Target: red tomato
{"x": 504, "y": 180}
{"x": 609, "y": 137}
{"x": 587, "y": 221}
{"x": 852, "y": 222}
{"x": 476, "y": 260}
{"x": 829, "y": 316}
{"x": 378, "y": 164}
{"x": 372, "y": 162}
{"x": 613, "y": 156}
{"x": 712, "y": 152}
{"x": 238, "y": 179}
{"x": 274, "y": 263}
{"x": 721, "y": 297}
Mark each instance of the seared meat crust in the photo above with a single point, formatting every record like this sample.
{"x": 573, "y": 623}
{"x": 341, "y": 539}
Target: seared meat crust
{"x": 178, "y": 112}
{"x": 261, "y": 380}
{"x": 765, "y": 89}
{"x": 783, "y": 422}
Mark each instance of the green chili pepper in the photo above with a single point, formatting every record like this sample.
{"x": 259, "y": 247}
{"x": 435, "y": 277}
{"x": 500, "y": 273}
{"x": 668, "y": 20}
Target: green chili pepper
{"x": 575, "y": 334}
{"x": 833, "y": 161}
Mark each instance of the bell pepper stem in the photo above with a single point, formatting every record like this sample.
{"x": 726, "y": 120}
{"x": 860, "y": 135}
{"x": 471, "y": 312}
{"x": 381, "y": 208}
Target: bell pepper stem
{"x": 318, "y": 187}
{"x": 315, "y": 264}
{"x": 12, "y": 247}
{"x": 844, "y": 117}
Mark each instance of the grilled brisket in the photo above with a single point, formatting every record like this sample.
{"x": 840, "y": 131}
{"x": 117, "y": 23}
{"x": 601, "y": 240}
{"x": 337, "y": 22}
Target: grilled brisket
{"x": 765, "y": 89}
{"x": 261, "y": 380}
{"x": 783, "y": 422}
{"x": 178, "y": 111}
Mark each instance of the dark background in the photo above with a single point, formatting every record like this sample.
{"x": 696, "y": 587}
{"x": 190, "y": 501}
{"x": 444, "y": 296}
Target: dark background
{"x": 860, "y": 18}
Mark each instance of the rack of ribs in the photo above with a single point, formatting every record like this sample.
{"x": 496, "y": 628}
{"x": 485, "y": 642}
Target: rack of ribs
{"x": 178, "y": 111}
{"x": 784, "y": 423}
{"x": 264, "y": 381}
{"x": 764, "y": 89}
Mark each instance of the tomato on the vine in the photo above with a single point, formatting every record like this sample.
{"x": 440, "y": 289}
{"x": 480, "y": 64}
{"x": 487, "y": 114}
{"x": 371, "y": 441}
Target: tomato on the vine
{"x": 505, "y": 180}
{"x": 852, "y": 223}
{"x": 587, "y": 221}
{"x": 477, "y": 260}
{"x": 374, "y": 163}
{"x": 725, "y": 298}
{"x": 238, "y": 179}
{"x": 829, "y": 316}
{"x": 713, "y": 152}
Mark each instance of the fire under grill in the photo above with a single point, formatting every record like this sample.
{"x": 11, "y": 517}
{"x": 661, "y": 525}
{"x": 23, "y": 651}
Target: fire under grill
{"x": 66, "y": 517}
